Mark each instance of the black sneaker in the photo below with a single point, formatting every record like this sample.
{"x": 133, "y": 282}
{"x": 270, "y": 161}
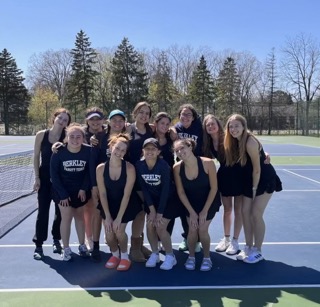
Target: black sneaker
{"x": 38, "y": 254}
{"x": 95, "y": 255}
{"x": 57, "y": 249}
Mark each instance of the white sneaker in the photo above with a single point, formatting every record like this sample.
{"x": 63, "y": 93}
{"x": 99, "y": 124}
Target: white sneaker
{"x": 66, "y": 254}
{"x": 89, "y": 243}
{"x": 83, "y": 251}
{"x": 198, "y": 247}
{"x": 168, "y": 262}
{"x": 254, "y": 256}
{"x": 233, "y": 247}
{"x": 244, "y": 253}
{"x": 223, "y": 245}
{"x": 153, "y": 260}
{"x": 183, "y": 246}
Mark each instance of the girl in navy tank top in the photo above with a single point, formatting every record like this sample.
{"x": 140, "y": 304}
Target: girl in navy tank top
{"x": 42, "y": 155}
{"x": 115, "y": 180}
{"x": 193, "y": 174}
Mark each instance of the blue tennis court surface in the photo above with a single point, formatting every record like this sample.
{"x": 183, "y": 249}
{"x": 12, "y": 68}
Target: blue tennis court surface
{"x": 291, "y": 250}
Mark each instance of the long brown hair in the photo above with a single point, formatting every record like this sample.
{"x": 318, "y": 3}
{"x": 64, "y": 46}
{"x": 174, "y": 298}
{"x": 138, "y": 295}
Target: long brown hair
{"x": 207, "y": 140}
{"x": 58, "y": 112}
{"x": 138, "y": 106}
{"x": 235, "y": 150}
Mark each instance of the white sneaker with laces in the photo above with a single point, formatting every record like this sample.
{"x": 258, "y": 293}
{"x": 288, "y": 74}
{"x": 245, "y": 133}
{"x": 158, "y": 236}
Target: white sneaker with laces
{"x": 153, "y": 260}
{"x": 233, "y": 247}
{"x": 67, "y": 254}
{"x": 244, "y": 253}
{"x": 254, "y": 257}
{"x": 223, "y": 245}
{"x": 168, "y": 262}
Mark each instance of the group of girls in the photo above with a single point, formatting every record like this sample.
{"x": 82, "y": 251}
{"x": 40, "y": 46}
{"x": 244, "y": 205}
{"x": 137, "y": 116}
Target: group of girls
{"x": 133, "y": 172}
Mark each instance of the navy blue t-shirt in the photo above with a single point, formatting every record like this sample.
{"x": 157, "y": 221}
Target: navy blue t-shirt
{"x": 155, "y": 183}
{"x": 193, "y": 132}
{"x": 70, "y": 171}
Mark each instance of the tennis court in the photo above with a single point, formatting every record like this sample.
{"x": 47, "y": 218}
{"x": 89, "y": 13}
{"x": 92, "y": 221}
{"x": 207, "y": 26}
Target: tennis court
{"x": 290, "y": 275}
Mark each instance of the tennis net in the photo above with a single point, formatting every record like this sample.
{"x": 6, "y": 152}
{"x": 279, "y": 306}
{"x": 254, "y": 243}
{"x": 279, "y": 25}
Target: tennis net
{"x": 16, "y": 176}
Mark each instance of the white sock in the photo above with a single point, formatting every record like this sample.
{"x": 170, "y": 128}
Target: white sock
{"x": 124, "y": 256}
{"x": 116, "y": 253}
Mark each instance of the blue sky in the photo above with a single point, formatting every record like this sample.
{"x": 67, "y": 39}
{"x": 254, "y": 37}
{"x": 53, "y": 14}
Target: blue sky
{"x": 33, "y": 26}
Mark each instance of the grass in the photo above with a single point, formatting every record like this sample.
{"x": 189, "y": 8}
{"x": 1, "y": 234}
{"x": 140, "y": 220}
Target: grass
{"x": 144, "y": 298}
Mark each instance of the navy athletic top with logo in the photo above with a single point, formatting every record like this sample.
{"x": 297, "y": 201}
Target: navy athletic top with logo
{"x": 70, "y": 172}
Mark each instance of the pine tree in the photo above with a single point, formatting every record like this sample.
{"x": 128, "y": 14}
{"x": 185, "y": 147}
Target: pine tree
{"x": 201, "y": 91}
{"x": 129, "y": 77}
{"x": 228, "y": 89}
{"x": 272, "y": 76}
{"x": 162, "y": 91}
{"x": 14, "y": 98}
{"x": 80, "y": 86}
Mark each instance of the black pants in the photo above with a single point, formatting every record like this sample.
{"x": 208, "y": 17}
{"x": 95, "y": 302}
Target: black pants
{"x": 184, "y": 224}
{"x": 42, "y": 223}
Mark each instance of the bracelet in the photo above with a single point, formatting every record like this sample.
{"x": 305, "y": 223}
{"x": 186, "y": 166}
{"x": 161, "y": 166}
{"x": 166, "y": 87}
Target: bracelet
{"x": 254, "y": 189}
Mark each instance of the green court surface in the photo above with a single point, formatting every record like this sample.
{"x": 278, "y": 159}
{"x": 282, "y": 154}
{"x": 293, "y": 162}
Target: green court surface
{"x": 297, "y": 140}
{"x": 294, "y": 297}
{"x": 292, "y": 139}
{"x": 298, "y": 160}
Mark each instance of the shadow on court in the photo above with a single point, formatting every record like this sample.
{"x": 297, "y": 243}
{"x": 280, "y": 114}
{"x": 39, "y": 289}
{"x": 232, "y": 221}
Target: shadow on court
{"x": 226, "y": 272}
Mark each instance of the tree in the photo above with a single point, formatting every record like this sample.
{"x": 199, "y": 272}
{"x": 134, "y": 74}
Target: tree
{"x": 80, "y": 86}
{"x": 129, "y": 77}
{"x": 228, "y": 89}
{"x": 43, "y": 103}
{"x": 51, "y": 70}
{"x": 162, "y": 90}
{"x": 201, "y": 90}
{"x": 272, "y": 75}
{"x": 14, "y": 98}
{"x": 301, "y": 67}
{"x": 103, "y": 80}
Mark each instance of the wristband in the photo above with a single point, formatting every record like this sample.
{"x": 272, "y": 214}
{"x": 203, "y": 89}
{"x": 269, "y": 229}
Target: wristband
{"x": 254, "y": 189}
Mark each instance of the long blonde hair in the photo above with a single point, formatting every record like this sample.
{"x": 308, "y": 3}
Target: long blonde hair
{"x": 235, "y": 150}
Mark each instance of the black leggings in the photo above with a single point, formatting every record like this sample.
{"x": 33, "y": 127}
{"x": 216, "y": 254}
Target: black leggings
{"x": 42, "y": 223}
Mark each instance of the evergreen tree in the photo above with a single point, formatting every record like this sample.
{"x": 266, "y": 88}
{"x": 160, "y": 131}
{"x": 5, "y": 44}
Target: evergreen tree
{"x": 162, "y": 91}
{"x": 129, "y": 77}
{"x": 271, "y": 73}
{"x": 14, "y": 98}
{"x": 228, "y": 89}
{"x": 80, "y": 85}
{"x": 201, "y": 89}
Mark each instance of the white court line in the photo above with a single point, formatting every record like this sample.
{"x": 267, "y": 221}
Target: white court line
{"x": 301, "y": 169}
{"x": 174, "y": 244}
{"x": 304, "y": 177}
{"x": 279, "y": 154}
{"x": 161, "y": 288}
{"x": 300, "y": 191}
{"x": 8, "y": 145}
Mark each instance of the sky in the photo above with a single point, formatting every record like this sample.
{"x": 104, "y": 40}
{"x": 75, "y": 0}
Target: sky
{"x": 29, "y": 27}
